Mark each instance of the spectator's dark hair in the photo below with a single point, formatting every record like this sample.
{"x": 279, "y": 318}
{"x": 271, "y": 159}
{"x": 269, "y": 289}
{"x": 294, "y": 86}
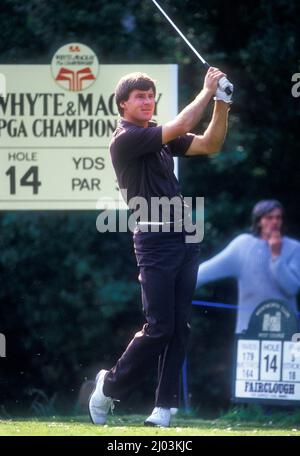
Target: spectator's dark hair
{"x": 130, "y": 82}
{"x": 262, "y": 208}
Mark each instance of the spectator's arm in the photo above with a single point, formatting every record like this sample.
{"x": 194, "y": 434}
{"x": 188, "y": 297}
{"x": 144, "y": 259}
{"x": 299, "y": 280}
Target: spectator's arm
{"x": 224, "y": 264}
{"x": 287, "y": 272}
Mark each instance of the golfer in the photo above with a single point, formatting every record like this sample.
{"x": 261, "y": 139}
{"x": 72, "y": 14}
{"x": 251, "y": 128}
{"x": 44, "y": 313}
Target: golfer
{"x": 266, "y": 263}
{"x": 142, "y": 155}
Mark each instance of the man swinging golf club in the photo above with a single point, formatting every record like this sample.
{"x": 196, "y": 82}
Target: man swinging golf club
{"x": 142, "y": 156}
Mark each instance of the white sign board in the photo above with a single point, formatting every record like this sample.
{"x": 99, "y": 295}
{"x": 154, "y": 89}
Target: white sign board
{"x": 56, "y": 123}
{"x": 268, "y": 369}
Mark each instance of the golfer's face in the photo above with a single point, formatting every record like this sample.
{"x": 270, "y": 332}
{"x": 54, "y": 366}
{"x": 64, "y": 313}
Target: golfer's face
{"x": 271, "y": 222}
{"x": 139, "y": 107}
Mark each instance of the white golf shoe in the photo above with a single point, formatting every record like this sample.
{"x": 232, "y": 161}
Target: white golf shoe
{"x": 159, "y": 417}
{"x": 99, "y": 404}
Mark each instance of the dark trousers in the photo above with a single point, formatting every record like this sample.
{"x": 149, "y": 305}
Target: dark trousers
{"x": 168, "y": 271}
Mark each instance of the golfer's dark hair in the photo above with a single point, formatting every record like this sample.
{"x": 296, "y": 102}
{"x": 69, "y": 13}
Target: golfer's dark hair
{"x": 130, "y": 82}
{"x": 262, "y": 208}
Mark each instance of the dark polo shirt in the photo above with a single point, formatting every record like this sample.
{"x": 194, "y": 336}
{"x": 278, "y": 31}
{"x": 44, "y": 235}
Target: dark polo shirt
{"x": 143, "y": 165}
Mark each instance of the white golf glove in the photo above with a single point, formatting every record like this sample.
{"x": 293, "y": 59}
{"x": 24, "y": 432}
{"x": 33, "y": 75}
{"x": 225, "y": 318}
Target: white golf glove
{"x": 220, "y": 92}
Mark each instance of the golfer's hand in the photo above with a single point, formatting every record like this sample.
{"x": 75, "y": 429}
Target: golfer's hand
{"x": 275, "y": 243}
{"x": 221, "y": 95}
{"x": 211, "y": 79}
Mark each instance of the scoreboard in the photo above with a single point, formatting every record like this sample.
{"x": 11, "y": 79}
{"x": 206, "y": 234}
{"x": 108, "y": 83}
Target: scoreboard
{"x": 267, "y": 357}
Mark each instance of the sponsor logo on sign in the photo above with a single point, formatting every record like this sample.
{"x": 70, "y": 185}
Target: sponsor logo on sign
{"x": 272, "y": 322}
{"x": 75, "y": 67}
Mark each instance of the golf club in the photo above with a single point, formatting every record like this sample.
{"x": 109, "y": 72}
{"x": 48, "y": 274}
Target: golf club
{"x": 224, "y": 84}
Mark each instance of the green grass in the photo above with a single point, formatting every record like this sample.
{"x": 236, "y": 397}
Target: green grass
{"x": 132, "y": 425}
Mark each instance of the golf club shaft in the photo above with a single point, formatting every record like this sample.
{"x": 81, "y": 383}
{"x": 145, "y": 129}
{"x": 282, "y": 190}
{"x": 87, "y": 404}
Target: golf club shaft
{"x": 223, "y": 83}
{"x": 181, "y": 34}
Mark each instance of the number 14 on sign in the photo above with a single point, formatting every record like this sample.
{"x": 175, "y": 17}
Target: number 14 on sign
{"x": 28, "y": 179}
{"x": 270, "y": 360}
